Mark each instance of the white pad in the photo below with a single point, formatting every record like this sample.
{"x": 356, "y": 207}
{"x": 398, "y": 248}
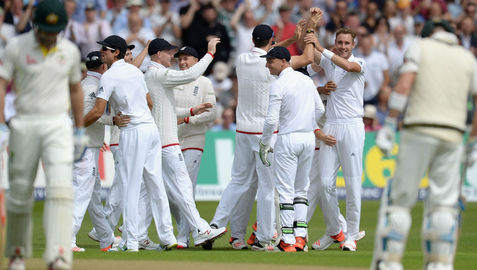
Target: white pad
{"x": 397, "y": 101}
{"x": 439, "y": 234}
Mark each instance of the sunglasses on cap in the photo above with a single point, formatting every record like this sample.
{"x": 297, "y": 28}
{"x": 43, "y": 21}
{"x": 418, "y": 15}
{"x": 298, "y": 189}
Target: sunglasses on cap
{"x": 93, "y": 58}
{"x": 105, "y": 48}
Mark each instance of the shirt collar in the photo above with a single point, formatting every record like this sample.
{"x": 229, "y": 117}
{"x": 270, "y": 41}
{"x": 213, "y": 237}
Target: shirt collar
{"x": 259, "y": 51}
{"x": 94, "y": 74}
{"x": 120, "y": 61}
{"x": 445, "y": 37}
{"x": 285, "y": 71}
{"x": 42, "y": 48}
{"x": 156, "y": 65}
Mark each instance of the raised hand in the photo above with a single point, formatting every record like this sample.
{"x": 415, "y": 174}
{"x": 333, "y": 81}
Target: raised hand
{"x": 212, "y": 45}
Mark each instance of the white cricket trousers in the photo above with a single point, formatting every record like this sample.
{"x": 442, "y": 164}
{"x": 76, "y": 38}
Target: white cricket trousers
{"x": 192, "y": 158}
{"x": 49, "y": 138}
{"x": 249, "y": 176}
{"x": 87, "y": 195}
{"x": 347, "y": 153}
{"x": 179, "y": 191}
{"x": 140, "y": 160}
{"x": 293, "y": 158}
{"x": 114, "y": 203}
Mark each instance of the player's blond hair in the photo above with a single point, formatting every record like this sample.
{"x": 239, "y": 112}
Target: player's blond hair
{"x": 346, "y": 31}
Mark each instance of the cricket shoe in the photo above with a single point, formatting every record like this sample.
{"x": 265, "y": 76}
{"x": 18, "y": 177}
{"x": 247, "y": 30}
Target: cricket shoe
{"x": 260, "y": 246}
{"x": 360, "y": 236}
{"x": 59, "y": 264}
{"x": 237, "y": 243}
{"x": 77, "y": 249}
{"x": 326, "y": 241}
{"x": 300, "y": 244}
{"x": 16, "y": 261}
{"x": 167, "y": 247}
{"x": 210, "y": 244}
{"x": 349, "y": 245}
{"x": 147, "y": 244}
{"x": 181, "y": 245}
{"x": 209, "y": 235}
{"x": 114, "y": 246}
{"x": 253, "y": 236}
{"x": 93, "y": 235}
{"x": 282, "y": 246}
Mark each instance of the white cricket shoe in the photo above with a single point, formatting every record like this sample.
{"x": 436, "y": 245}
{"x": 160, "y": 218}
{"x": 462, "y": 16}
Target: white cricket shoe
{"x": 16, "y": 263}
{"x": 349, "y": 245}
{"x": 361, "y": 235}
{"x": 325, "y": 241}
{"x": 147, "y": 244}
{"x": 390, "y": 266}
{"x": 209, "y": 235}
{"x": 93, "y": 235}
{"x": 75, "y": 248}
{"x": 59, "y": 264}
{"x": 237, "y": 243}
{"x": 167, "y": 247}
{"x": 260, "y": 246}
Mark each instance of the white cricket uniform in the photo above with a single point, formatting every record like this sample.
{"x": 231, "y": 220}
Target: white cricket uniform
{"x": 249, "y": 175}
{"x": 192, "y": 132}
{"x": 139, "y": 151}
{"x": 161, "y": 82}
{"x": 430, "y": 141}
{"x": 344, "y": 120}
{"x": 41, "y": 129}
{"x": 296, "y": 107}
{"x": 86, "y": 181}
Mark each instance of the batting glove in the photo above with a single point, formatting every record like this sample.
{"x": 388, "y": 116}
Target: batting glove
{"x": 385, "y": 136}
{"x": 471, "y": 151}
{"x": 263, "y": 153}
{"x": 80, "y": 141}
{"x": 4, "y": 134}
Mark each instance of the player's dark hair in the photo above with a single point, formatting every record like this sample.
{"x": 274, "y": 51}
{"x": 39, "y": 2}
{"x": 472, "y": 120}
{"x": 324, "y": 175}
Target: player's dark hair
{"x": 260, "y": 43}
{"x": 346, "y": 31}
{"x": 121, "y": 55}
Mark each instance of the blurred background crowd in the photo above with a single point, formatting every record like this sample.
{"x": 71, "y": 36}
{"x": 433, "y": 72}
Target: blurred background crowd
{"x": 385, "y": 29}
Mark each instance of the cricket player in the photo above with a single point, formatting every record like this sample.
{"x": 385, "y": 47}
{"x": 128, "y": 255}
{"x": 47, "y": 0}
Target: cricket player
{"x": 47, "y": 74}
{"x": 249, "y": 176}
{"x": 191, "y": 130}
{"x": 139, "y": 146}
{"x": 344, "y": 113}
{"x": 435, "y": 81}
{"x": 86, "y": 181}
{"x": 161, "y": 82}
{"x": 296, "y": 108}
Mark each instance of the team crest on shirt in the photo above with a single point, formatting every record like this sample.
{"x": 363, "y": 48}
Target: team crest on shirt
{"x": 196, "y": 91}
{"x": 30, "y": 60}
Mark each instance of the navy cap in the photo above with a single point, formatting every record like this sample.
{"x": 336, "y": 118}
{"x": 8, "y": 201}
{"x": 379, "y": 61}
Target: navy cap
{"x": 93, "y": 59}
{"x": 430, "y": 25}
{"x": 262, "y": 32}
{"x": 279, "y": 53}
{"x": 159, "y": 44}
{"x": 115, "y": 42}
{"x": 188, "y": 51}
{"x": 131, "y": 47}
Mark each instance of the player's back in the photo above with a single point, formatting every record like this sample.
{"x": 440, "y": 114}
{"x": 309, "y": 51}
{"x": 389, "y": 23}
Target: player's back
{"x": 442, "y": 84}
{"x": 253, "y": 91}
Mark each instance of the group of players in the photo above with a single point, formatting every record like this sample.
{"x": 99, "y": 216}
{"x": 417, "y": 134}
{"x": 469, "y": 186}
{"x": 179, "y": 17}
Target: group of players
{"x": 163, "y": 116}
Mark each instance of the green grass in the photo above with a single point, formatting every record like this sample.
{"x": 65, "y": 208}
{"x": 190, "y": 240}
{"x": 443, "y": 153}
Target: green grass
{"x": 223, "y": 252}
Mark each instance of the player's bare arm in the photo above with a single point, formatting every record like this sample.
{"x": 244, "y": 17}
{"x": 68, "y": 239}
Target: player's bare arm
{"x": 76, "y": 97}
{"x": 149, "y": 101}
{"x": 96, "y": 112}
{"x": 3, "y": 91}
{"x": 327, "y": 88}
{"x": 326, "y": 138}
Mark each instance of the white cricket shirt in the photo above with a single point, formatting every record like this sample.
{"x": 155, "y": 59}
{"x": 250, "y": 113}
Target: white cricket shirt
{"x": 124, "y": 85}
{"x": 254, "y": 81}
{"x": 294, "y": 105}
{"x": 347, "y": 101}
{"x": 41, "y": 80}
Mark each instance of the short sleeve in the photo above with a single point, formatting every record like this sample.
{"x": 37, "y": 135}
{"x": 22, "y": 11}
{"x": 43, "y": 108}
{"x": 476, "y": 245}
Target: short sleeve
{"x": 7, "y": 61}
{"x": 310, "y": 70}
{"x": 324, "y": 62}
{"x": 412, "y": 59}
{"x": 105, "y": 89}
{"x": 362, "y": 64}
{"x": 75, "y": 72}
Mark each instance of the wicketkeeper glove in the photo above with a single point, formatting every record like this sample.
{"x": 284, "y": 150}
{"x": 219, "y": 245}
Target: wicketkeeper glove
{"x": 4, "y": 134}
{"x": 263, "y": 153}
{"x": 471, "y": 151}
{"x": 80, "y": 141}
{"x": 385, "y": 136}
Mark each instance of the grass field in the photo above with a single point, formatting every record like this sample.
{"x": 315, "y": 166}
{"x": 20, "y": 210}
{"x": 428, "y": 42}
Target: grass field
{"x": 224, "y": 255}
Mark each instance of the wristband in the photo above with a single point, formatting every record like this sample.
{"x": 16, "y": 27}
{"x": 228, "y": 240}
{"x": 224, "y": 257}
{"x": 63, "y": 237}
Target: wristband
{"x": 310, "y": 31}
{"x": 191, "y": 112}
{"x": 327, "y": 53}
{"x": 211, "y": 54}
{"x": 397, "y": 101}
{"x": 316, "y": 130}
{"x": 186, "y": 120}
{"x": 114, "y": 122}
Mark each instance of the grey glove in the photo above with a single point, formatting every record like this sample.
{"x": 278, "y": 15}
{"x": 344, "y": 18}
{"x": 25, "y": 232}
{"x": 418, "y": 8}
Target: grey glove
{"x": 263, "y": 153}
{"x": 386, "y": 135}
